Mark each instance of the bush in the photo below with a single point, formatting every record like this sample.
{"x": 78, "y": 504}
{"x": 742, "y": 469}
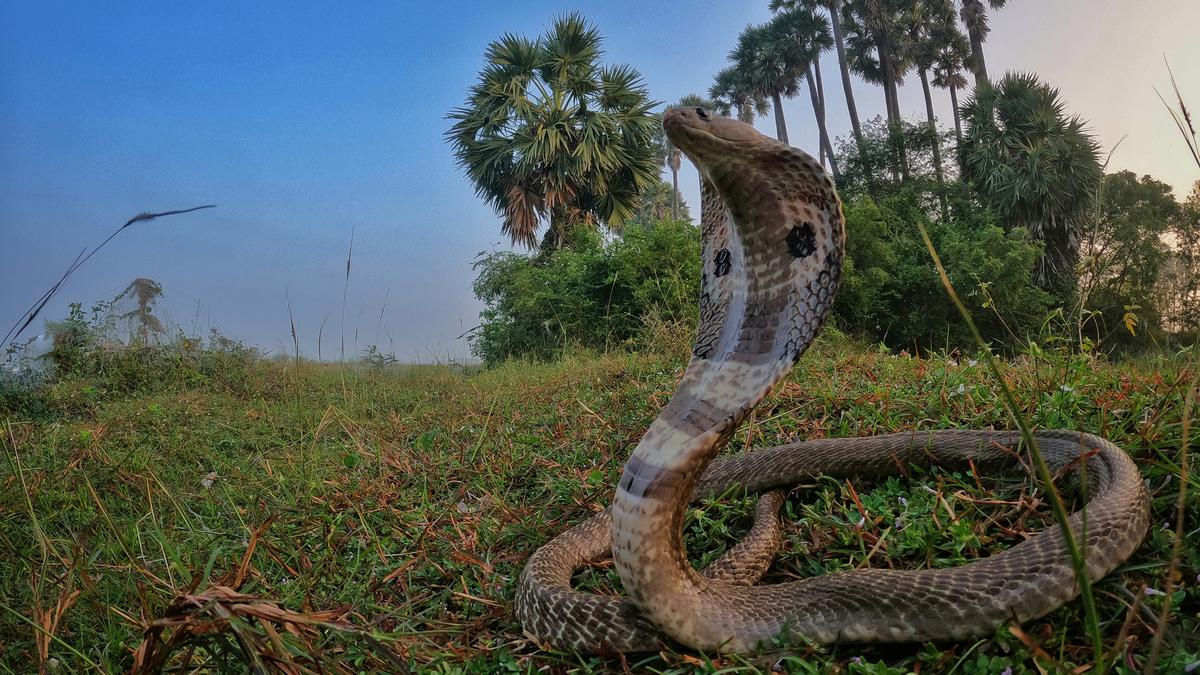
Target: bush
{"x": 594, "y": 293}
{"x": 83, "y": 349}
{"x": 891, "y": 292}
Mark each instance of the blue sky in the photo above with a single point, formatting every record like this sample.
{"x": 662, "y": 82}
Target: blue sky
{"x": 307, "y": 121}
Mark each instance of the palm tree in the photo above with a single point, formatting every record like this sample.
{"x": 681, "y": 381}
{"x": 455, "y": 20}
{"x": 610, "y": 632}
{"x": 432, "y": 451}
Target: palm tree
{"x": 733, "y": 94}
{"x": 877, "y": 47}
{"x": 974, "y": 16}
{"x": 670, "y": 155}
{"x": 1035, "y": 167}
{"x": 772, "y": 66}
{"x": 834, "y": 7}
{"x": 879, "y": 51}
{"x": 661, "y": 202}
{"x": 550, "y": 134}
{"x": 948, "y": 67}
{"x": 808, "y": 35}
{"x": 931, "y": 26}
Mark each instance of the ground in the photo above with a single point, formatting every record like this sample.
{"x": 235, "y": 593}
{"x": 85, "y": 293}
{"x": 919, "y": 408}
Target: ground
{"x": 351, "y": 519}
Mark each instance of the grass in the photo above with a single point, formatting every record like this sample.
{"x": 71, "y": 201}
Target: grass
{"x": 346, "y": 520}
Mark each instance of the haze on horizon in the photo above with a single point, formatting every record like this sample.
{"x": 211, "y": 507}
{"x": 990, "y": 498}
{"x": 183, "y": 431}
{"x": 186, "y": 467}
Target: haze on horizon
{"x": 307, "y": 124}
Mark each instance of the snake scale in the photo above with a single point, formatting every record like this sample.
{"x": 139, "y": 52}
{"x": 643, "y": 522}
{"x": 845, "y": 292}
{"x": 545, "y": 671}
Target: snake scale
{"x": 773, "y": 235}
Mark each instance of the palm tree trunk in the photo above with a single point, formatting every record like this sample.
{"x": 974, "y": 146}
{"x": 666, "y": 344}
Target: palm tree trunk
{"x": 816, "y": 65}
{"x": 895, "y": 123}
{"x": 819, "y": 113}
{"x": 937, "y": 150}
{"x": 957, "y": 117}
{"x": 978, "y": 66}
{"x": 780, "y": 124}
{"x": 819, "y": 92}
{"x": 674, "y": 191}
{"x": 835, "y": 21}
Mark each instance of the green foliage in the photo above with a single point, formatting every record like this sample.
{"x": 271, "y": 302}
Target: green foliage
{"x": 1035, "y": 166}
{"x": 890, "y": 290}
{"x": 595, "y": 293}
{"x": 1124, "y": 255}
{"x": 83, "y": 350}
{"x": 1181, "y": 278}
{"x": 548, "y": 133}
{"x": 734, "y": 94}
{"x": 873, "y": 167}
{"x": 772, "y": 57}
{"x": 658, "y": 202}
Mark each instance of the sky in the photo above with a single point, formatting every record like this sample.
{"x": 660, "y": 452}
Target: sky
{"x": 312, "y": 123}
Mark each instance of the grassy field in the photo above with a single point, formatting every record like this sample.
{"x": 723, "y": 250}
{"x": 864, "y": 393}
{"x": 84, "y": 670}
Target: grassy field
{"x": 351, "y": 520}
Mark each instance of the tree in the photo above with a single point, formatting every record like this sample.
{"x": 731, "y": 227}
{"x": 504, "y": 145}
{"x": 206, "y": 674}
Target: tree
{"x": 1181, "y": 288}
{"x": 1036, "y": 167}
{"x": 875, "y": 173}
{"x": 807, "y": 33}
{"x": 974, "y": 16}
{"x": 876, "y": 45}
{"x": 878, "y": 50}
{"x": 931, "y": 28}
{"x": 890, "y": 289}
{"x": 949, "y": 63}
{"x": 733, "y": 94}
{"x": 661, "y": 202}
{"x": 834, "y": 8}
{"x": 771, "y": 65}
{"x": 597, "y": 293}
{"x": 548, "y": 133}
{"x": 1123, "y": 256}
{"x": 670, "y": 155}
{"x": 145, "y": 293}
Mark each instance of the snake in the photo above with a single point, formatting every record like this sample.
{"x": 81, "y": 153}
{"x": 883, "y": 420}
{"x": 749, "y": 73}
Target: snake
{"x": 773, "y": 246}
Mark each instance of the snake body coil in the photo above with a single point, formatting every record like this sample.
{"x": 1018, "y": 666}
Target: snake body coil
{"x": 773, "y": 235}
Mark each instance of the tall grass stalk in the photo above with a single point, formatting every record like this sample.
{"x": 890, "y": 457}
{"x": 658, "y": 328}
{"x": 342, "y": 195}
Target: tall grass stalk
{"x": 1164, "y": 614}
{"x": 292, "y": 321}
{"x": 1181, "y": 117}
{"x": 36, "y": 308}
{"x": 1078, "y": 560}
{"x": 345, "y": 291}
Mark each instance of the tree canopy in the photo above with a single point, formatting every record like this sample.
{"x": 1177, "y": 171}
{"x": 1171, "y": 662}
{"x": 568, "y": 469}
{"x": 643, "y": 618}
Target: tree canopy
{"x": 549, "y": 134}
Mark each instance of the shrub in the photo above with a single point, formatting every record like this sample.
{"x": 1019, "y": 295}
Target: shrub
{"x": 891, "y": 292}
{"x": 83, "y": 349}
{"x": 594, "y": 293}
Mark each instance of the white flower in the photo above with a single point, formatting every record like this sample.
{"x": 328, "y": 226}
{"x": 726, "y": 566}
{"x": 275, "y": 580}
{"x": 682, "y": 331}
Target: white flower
{"x": 208, "y": 480}
{"x": 972, "y": 363}
{"x": 1067, "y": 388}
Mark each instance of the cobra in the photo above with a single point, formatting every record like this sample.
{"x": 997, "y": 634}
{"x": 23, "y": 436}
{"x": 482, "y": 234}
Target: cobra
{"x": 773, "y": 235}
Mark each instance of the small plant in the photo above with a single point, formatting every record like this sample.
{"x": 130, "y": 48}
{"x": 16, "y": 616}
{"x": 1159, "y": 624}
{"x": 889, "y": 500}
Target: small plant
{"x": 377, "y": 360}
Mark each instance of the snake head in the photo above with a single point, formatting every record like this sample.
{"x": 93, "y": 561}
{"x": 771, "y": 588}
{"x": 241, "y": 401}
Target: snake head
{"x": 704, "y": 137}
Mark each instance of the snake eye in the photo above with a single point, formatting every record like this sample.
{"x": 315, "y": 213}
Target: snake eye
{"x": 702, "y": 113}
